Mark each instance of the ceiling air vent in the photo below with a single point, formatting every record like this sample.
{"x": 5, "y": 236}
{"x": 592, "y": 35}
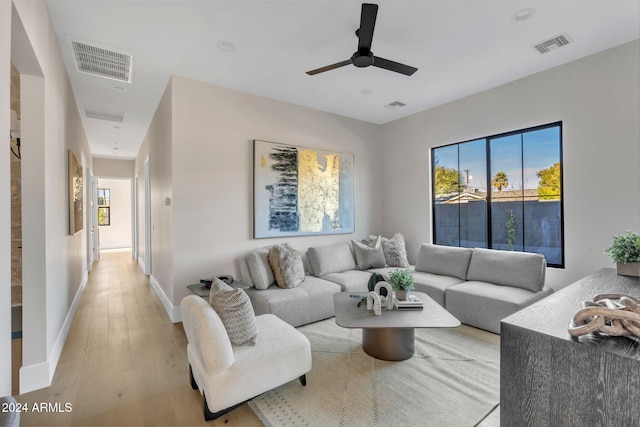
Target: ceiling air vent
{"x": 102, "y": 115}
{"x": 553, "y": 43}
{"x": 102, "y": 62}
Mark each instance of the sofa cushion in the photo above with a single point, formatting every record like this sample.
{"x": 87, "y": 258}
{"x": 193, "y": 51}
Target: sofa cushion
{"x": 236, "y": 312}
{"x": 331, "y": 259}
{"x": 483, "y": 305}
{"x": 286, "y": 264}
{"x": 444, "y": 260}
{"x": 369, "y": 255}
{"x": 309, "y": 302}
{"x": 259, "y": 268}
{"x": 520, "y": 269}
{"x": 351, "y": 280}
{"x": 434, "y": 285}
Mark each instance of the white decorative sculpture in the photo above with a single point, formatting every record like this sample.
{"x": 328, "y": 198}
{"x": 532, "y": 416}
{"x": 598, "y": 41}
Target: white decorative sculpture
{"x": 385, "y": 300}
{"x": 373, "y": 303}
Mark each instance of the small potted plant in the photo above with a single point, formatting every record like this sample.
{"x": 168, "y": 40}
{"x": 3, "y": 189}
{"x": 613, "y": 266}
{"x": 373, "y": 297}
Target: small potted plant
{"x": 625, "y": 252}
{"x": 402, "y": 282}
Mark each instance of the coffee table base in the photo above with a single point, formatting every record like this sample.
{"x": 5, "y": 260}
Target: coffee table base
{"x": 388, "y": 343}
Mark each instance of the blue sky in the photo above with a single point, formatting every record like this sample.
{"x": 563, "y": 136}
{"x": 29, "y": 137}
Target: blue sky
{"x": 541, "y": 150}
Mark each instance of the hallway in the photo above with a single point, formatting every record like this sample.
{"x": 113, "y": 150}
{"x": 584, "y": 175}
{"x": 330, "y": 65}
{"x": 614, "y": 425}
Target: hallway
{"x": 124, "y": 363}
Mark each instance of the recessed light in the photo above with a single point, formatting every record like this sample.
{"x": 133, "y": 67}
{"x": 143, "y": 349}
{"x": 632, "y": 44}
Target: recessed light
{"x": 116, "y": 143}
{"x": 115, "y": 148}
{"x": 523, "y": 15}
{"x": 226, "y": 46}
{"x": 365, "y": 92}
{"x": 116, "y": 127}
{"x": 119, "y": 88}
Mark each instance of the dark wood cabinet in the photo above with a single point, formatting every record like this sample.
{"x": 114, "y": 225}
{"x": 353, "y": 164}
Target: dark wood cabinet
{"x": 548, "y": 378}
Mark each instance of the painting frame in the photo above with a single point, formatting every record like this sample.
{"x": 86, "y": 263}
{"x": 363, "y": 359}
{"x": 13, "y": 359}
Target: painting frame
{"x": 301, "y": 191}
{"x": 76, "y": 199}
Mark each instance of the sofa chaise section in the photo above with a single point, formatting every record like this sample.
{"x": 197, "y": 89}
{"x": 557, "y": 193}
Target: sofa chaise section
{"x": 498, "y": 284}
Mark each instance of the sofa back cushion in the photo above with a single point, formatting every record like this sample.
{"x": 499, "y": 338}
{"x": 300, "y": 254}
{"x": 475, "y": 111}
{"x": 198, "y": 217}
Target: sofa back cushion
{"x": 259, "y": 268}
{"x": 206, "y": 334}
{"x": 519, "y": 269}
{"x": 444, "y": 260}
{"x": 331, "y": 259}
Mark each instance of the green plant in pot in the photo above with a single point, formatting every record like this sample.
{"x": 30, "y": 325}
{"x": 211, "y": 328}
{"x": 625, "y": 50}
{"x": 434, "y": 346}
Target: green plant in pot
{"x": 625, "y": 252}
{"x": 402, "y": 282}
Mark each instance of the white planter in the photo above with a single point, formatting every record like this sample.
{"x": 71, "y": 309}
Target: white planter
{"x": 628, "y": 268}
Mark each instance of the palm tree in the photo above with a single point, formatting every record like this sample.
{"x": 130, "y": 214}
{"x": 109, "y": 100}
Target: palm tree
{"x": 500, "y": 181}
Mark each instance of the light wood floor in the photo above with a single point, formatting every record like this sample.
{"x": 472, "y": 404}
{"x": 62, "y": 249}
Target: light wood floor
{"x": 124, "y": 362}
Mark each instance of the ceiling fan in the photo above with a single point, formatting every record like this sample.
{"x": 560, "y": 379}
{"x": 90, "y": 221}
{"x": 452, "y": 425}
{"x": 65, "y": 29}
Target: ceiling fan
{"x": 363, "y": 57}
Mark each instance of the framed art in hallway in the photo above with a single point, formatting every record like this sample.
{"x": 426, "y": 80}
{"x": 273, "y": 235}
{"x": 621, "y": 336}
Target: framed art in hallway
{"x": 75, "y": 194}
{"x": 300, "y": 191}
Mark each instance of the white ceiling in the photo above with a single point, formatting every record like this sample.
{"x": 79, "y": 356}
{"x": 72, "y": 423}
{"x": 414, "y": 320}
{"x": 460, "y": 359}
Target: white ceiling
{"x": 460, "y": 47}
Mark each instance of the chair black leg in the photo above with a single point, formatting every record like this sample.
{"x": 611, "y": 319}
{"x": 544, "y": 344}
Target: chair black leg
{"x": 194, "y": 385}
{"x": 303, "y": 380}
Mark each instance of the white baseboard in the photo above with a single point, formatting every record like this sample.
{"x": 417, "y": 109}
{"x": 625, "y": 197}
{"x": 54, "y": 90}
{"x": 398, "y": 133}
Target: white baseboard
{"x": 35, "y": 377}
{"x": 174, "y": 313}
{"x": 39, "y": 376}
{"x": 141, "y": 264}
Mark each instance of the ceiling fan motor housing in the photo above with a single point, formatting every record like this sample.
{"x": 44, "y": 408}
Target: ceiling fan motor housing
{"x": 362, "y": 59}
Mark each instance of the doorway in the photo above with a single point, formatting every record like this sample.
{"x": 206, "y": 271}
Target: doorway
{"x": 114, "y": 212}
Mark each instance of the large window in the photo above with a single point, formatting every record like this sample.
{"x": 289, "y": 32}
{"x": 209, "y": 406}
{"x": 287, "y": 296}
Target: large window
{"x": 501, "y": 192}
{"x": 104, "y": 206}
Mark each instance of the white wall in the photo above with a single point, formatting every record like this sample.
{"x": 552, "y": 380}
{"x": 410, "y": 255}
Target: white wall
{"x": 208, "y": 175}
{"x": 113, "y": 168}
{"x": 5, "y": 203}
{"x": 54, "y": 263}
{"x": 118, "y": 233}
{"x": 597, "y": 99}
{"x": 213, "y": 129}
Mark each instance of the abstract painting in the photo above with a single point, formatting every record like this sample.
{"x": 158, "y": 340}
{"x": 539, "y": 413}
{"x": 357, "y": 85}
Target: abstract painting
{"x": 301, "y": 191}
{"x": 75, "y": 194}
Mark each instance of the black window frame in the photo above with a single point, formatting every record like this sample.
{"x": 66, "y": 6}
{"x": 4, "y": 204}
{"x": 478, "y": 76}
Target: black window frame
{"x": 106, "y": 207}
{"x": 487, "y": 139}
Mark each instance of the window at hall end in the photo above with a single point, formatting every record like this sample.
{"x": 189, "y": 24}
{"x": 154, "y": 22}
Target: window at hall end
{"x": 104, "y": 206}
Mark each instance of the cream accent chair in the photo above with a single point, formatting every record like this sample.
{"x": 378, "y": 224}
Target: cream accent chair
{"x": 228, "y": 375}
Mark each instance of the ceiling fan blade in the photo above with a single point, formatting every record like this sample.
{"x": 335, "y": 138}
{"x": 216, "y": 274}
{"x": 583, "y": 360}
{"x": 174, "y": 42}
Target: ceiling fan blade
{"x": 367, "y": 25}
{"x": 393, "y": 66}
{"x": 329, "y": 67}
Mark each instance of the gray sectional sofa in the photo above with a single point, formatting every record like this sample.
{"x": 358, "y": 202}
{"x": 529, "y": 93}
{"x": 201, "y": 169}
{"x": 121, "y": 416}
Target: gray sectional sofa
{"x": 478, "y": 286}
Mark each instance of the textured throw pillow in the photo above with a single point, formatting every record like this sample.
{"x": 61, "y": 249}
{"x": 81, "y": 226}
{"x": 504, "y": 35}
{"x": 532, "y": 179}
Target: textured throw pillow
{"x": 287, "y": 266}
{"x": 395, "y": 251}
{"x": 369, "y": 255}
{"x": 236, "y": 312}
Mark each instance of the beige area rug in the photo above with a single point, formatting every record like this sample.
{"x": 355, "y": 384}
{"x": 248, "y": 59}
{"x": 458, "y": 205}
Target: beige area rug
{"x": 452, "y": 380}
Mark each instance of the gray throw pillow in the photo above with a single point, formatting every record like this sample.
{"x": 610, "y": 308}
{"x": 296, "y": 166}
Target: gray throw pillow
{"x": 259, "y": 268}
{"x": 395, "y": 251}
{"x": 236, "y": 312}
{"x": 369, "y": 255}
{"x": 287, "y": 266}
